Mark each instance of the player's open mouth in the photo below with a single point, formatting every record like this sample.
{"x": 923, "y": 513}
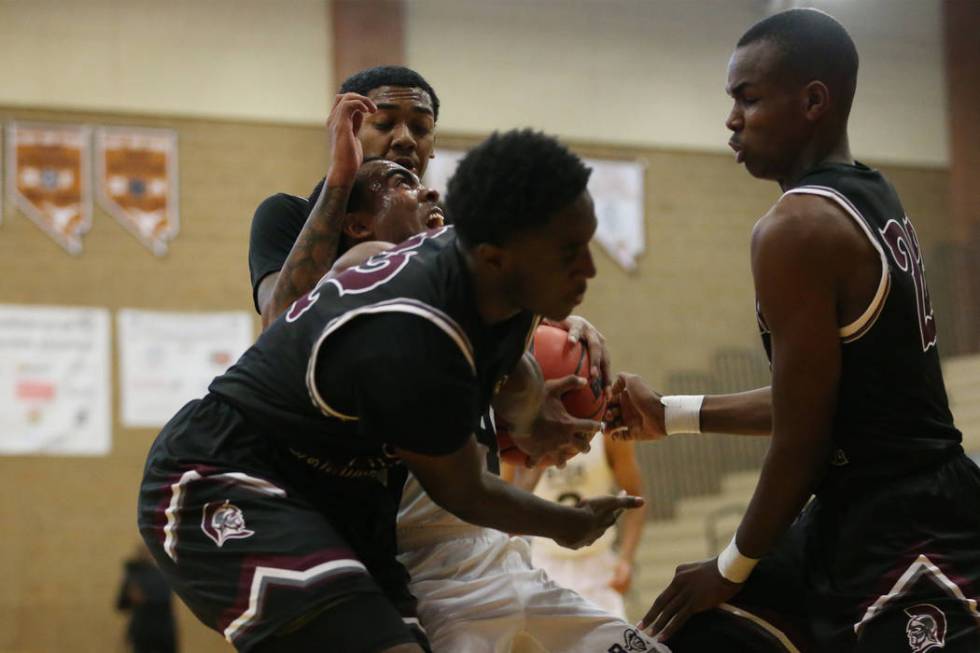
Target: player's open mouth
{"x": 435, "y": 219}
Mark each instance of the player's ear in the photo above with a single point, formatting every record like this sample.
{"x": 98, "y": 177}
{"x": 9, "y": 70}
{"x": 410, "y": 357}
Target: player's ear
{"x": 359, "y": 225}
{"x": 816, "y": 100}
{"x": 490, "y": 256}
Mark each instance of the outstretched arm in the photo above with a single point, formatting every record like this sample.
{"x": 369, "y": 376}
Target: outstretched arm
{"x": 460, "y": 483}
{"x": 638, "y": 412}
{"x": 315, "y": 250}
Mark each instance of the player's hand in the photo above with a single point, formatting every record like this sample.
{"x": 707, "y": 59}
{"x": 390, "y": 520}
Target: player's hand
{"x": 634, "y": 411}
{"x": 555, "y": 434}
{"x": 581, "y": 329}
{"x": 343, "y": 125}
{"x": 696, "y": 587}
{"x": 594, "y": 517}
{"x": 622, "y": 576}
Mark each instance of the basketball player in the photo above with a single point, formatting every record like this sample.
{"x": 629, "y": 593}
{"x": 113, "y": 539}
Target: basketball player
{"x": 395, "y": 110}
{"x": 886, "y": 557}
{"x": 264, "y": 502}
{"x": 476, "y": 586}
{"x": 595, "y": 572}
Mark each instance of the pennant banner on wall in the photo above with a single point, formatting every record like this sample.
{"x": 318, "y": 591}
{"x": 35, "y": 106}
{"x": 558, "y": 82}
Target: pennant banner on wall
{"x": 618, "y": 194}
{"x": 136, "y": 182}
{"x": 48, "y": 179}
{"x": 166, "y": 359}
{"x": 617, "y": 191}
{"x": 55, "y": 388}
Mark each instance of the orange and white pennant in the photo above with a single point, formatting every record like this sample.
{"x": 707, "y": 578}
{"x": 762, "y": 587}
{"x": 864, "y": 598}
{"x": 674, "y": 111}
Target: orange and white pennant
{"x": 48, "y": 179}
{"x": 136, "y": 172}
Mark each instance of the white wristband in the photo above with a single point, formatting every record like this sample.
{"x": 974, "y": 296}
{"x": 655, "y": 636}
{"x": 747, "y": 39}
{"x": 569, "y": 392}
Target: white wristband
{"x": 682, "y": 413}
{"x": 734, "y": 566}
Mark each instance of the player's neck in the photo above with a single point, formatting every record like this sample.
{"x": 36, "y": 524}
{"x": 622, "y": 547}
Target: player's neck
{"x": 818, "y": 152}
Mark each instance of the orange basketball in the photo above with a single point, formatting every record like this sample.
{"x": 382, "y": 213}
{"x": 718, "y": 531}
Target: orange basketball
{"x": 558, "y": 357}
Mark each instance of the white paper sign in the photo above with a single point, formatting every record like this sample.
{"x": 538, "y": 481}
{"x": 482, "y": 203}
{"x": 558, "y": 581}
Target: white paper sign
{"x": 167, "y": 359}
{"x": 55, "y": 388}
{"x": 617, "y": 191}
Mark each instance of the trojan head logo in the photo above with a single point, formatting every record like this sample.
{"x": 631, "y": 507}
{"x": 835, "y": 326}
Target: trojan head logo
{"x": 224, "y": 521}
{"x": 926, "y": 628}
{"x": 631, "y": 642}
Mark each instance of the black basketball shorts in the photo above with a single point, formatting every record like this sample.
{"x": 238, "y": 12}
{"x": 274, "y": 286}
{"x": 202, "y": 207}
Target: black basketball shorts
{"x": 256, "y": 549}
{"x": 891, "y": 566}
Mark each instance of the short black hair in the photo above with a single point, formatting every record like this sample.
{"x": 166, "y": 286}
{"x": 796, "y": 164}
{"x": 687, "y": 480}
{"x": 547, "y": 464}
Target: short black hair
{"x": 512, "y": 182}
{"x": 814, "y": 46}
{"x": 365, "y": 81}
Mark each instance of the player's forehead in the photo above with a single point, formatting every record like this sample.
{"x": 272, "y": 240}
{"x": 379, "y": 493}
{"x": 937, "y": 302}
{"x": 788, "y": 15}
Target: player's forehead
{"x": 397, "y": 97}
{"x": 378, "y": 171}
{"x": 752, "y": 65}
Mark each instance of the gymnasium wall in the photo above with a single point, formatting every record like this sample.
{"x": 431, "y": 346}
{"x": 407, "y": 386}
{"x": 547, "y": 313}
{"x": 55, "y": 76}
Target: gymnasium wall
{"x": 239, "y": 59}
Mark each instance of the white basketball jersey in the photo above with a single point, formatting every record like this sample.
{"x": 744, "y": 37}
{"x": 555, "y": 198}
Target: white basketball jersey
{"x": 586, "y": 475}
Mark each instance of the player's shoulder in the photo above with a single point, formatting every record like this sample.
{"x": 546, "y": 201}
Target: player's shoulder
{"x": 280, "y": 206}
{"x": 800, "y": 222}
{"x": 415, "y": 329}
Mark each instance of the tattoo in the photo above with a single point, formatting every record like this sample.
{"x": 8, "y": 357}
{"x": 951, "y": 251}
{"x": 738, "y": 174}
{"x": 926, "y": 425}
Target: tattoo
{"x": 313, "y": 253}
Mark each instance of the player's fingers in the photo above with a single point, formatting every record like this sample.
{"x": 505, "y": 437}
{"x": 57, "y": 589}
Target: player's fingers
{"x": 562, "y": 385}
{"x": 628, "y": 501}
{"x": 598, "y": 355}
{"x": 680, "y": 618}
{"x": 585, "y": 427}
{"x": 619, "y": 385}
{"x": 349, "y": 107}
{"x": 604, "y": 364}
{"x": 350, "y": 95}
{"x": 575, "y": 329}
{"x": 669, "y": 612}
{"x": 658, "y": 605}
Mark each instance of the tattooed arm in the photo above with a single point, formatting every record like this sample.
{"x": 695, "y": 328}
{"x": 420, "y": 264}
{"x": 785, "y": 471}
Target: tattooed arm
{"x": 315, "y": 249}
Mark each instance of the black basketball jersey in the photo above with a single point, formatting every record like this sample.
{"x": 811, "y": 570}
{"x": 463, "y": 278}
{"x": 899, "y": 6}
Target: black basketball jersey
{"x": 892, "y": 410}
{"x": 422, "y": 281}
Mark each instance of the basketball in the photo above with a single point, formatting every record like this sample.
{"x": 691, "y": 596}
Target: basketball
{"x": 558, "y": 357}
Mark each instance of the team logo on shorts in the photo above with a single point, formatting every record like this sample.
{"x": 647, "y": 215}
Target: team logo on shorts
{"x": 632, "y": 641}
{"x": 224, "y": 521}
{"x": 926, "y": 628}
